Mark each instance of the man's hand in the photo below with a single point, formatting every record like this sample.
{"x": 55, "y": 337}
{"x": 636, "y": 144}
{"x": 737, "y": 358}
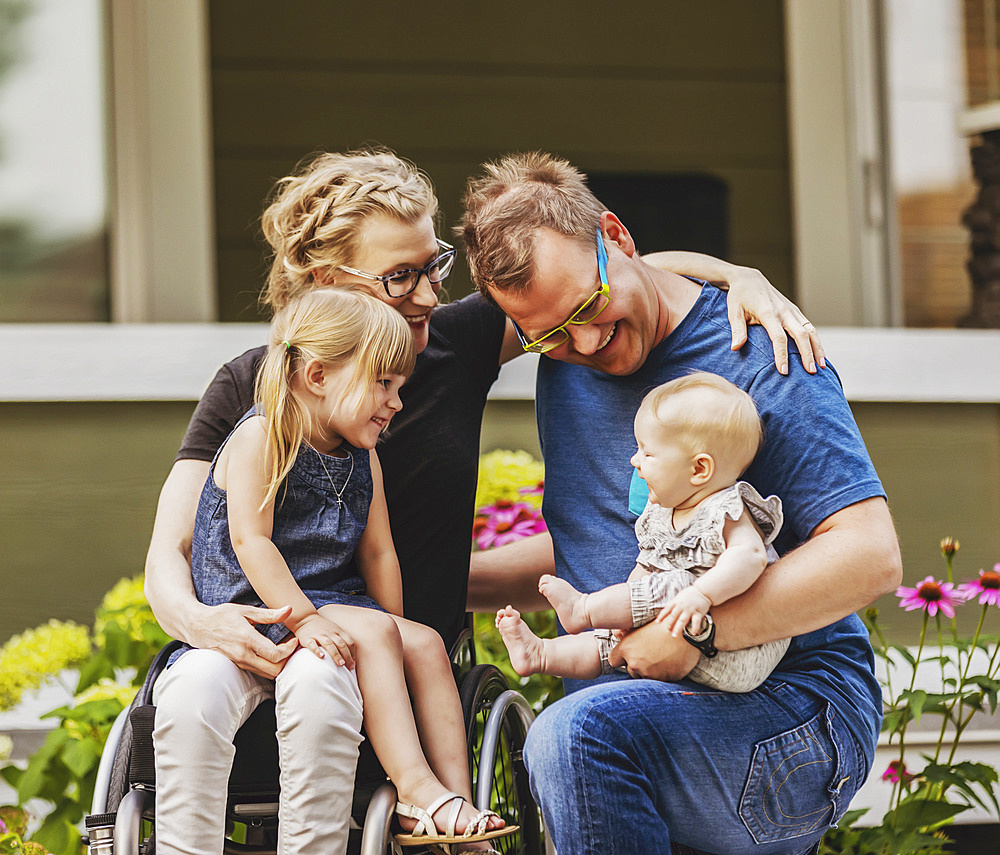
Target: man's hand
{"x": 652, "y": 652}
{"x": 229, "y": 629}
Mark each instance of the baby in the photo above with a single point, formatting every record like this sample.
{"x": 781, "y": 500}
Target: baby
{"x": 704, "y": 537}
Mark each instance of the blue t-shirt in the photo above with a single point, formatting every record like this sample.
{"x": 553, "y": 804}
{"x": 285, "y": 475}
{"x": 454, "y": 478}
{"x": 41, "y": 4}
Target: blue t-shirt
{"x": 813, "y": 458}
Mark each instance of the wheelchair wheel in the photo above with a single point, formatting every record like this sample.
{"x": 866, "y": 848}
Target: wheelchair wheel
{"x": 496, "y": 725}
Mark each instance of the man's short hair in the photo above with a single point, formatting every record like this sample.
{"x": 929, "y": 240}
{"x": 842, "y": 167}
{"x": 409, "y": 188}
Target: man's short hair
{"x": 505, "y": 207}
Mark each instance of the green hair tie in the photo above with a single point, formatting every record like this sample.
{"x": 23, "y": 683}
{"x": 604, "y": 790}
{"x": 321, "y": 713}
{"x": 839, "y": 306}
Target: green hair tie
{"x": 287, "y": 345}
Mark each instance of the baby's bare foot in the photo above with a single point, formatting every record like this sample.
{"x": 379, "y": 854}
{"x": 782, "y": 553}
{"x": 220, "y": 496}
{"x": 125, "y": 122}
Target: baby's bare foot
{"x": 525, "y": 648}
{"x": 569, "y": 603}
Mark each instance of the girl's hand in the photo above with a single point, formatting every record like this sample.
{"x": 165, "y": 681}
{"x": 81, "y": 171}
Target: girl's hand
{"x": 688, "y": 606}
{"x": 752, "y": 299}
{"x": 322, "y": 636}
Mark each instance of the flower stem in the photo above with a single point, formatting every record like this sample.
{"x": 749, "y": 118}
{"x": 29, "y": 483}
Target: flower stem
{"x": 906, "y": 720}
{"x": 959, "y": 725}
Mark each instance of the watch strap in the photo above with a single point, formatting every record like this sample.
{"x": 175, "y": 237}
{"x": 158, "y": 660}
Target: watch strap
{"x": 704, "y": 640}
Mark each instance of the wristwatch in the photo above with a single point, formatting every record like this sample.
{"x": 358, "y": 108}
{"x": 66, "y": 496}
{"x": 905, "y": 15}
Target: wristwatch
{"x": 704, "y": 640}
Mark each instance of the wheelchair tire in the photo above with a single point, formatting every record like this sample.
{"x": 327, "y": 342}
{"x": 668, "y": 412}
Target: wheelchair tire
{"x": 510, "y": 795}
{"x": 118, "y": 785}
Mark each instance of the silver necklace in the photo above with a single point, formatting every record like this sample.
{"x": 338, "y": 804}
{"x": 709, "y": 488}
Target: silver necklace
{"x": 338, "y": 493}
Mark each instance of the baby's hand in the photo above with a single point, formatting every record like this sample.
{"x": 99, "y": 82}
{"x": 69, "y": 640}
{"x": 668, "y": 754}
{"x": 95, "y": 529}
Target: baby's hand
{"x": 322, "y": 636}
{"x": 688, "y": 606}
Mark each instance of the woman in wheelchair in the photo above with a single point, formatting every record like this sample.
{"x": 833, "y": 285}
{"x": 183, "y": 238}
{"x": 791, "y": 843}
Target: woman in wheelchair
{"x": 344, "y": 219}
{"x": 293, "y": 513}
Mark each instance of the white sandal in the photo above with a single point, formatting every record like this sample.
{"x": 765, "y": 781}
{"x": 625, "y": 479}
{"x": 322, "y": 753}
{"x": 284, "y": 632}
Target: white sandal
{"x": 426, "y": 832}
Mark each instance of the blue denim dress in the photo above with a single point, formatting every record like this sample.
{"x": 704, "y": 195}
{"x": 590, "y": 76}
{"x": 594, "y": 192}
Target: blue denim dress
{"x": 315, "y": 530}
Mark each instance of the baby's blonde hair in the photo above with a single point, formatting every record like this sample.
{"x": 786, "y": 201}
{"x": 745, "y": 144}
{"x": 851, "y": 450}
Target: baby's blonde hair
{"x": 728, "y": 425}
{"x": 315, "y": 214}
{"x": 335, "y": 326}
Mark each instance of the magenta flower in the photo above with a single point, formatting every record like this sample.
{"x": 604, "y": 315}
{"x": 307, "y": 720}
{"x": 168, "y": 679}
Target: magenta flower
{"x": 504, "y": 525}
{"x": 986, "y": 587}
{"x": 896, "y": 774}
{"x": 3, "y": 827}
{"x": 537, "y": 490}
{"x": 502, "y": 506}
{"x": 932, "y": 596}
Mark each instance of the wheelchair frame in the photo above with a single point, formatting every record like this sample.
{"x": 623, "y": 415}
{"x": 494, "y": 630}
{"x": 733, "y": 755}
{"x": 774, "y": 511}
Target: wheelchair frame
{"x": 497, "y": 721}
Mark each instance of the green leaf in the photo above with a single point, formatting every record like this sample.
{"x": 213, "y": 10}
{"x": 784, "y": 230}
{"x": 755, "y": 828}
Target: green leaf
{"x": 922, "y": 813}
{"x": 81, "y": 755}
{"x": 914, "y": 702}
{"x": 905, "y": 653}
{"x": 11, "y": 774}
{"x": 95, "y": 669}
{"x": 892, "y": 722}
{"x": 39, "y": 770}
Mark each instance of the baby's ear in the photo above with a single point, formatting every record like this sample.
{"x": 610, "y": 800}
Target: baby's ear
{"x": 702, "y": 469}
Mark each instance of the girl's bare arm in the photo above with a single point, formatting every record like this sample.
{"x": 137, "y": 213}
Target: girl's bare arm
{"x": 376, "y": 553}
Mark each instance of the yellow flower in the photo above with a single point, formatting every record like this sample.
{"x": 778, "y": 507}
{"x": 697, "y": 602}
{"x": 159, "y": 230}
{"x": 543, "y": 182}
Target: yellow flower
{"x": 125, "y": 607}
{"x": 29, "y": 659}
{"x": 503, "y": 474}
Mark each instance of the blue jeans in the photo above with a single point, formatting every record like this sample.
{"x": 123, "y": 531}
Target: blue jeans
{"x": 636, "y": 766}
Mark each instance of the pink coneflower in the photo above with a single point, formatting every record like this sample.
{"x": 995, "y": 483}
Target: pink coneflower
{"x": 897, "y": 774}
{"x": 986, "y": 587}
{"x": 537, "y": 490}
{"x": 932, "y": 596}
{"x": 506, "y": 525}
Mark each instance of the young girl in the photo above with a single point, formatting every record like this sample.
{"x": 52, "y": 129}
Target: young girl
{"x": 293, "y": 514}
{"x": 704, "y": 537}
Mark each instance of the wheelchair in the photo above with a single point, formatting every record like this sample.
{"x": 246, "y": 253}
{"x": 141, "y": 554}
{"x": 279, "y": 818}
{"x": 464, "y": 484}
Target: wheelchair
{"x": 123, "y": 817}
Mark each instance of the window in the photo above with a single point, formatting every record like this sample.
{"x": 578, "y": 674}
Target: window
{"x": 54, "y": 263}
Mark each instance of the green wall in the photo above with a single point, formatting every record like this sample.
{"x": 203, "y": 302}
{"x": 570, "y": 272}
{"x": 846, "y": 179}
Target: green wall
{"x": 80, "y": 483}
{"x": 662, "y": 86}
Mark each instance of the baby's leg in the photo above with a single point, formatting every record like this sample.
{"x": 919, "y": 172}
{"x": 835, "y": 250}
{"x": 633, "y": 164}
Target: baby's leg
{"x": 609, "y": 608}
{"x": 574, "y": 656}
{"x": 389, "y": 716}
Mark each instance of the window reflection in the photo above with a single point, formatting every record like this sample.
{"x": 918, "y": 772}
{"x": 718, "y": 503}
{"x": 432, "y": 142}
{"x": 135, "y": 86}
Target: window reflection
{"x": 53, "y": 170}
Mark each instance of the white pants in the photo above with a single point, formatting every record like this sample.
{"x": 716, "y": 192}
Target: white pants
{"x": 202, "y": 700}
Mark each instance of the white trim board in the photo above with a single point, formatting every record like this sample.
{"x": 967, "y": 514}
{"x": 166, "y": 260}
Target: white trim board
{"x": 174, "y": 362}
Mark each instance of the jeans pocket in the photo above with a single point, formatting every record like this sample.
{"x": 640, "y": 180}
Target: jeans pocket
{"x": 800, "y": 782}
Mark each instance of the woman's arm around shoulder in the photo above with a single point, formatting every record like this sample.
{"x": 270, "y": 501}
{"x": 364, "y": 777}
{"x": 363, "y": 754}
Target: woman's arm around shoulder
{"x": 752, "y": 299}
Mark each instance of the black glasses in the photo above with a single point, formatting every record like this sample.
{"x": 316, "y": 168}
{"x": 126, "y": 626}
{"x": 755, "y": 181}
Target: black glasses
{"x": 402, "y": 282}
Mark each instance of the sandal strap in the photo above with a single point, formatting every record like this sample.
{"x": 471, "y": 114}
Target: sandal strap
{"x": 425, "y": 816}
{"x": 479, "y": 823}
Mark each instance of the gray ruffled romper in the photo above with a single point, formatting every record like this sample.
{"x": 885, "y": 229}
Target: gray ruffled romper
{"x": 675, "y": 558}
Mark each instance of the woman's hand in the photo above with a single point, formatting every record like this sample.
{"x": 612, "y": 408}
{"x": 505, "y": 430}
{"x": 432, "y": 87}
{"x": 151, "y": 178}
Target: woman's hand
{"x": 752, "y": 300}
{"x": 322, "y": 636}
{"x": 229, "y": 629}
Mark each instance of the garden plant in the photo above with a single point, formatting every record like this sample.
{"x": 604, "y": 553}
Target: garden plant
{"x": 963, "y": 675}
